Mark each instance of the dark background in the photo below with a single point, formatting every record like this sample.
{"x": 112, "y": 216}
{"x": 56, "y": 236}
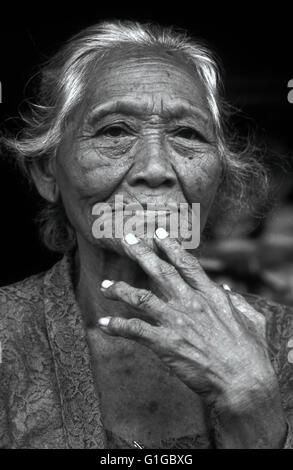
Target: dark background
{"x": 256, "y": 49}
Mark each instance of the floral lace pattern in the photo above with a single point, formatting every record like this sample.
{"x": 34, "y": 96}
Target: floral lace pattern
{"x": 47, "y": 393}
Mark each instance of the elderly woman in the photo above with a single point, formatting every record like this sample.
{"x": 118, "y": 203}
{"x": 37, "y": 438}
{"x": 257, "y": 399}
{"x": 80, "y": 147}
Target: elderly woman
{"x": 126, "y": 342}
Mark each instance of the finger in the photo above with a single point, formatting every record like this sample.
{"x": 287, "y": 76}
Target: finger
{"x": 185, "y": 263}
{"x": 242, "y": 307}
{"x": 133, "y": 328}
{"x": 162, "y": 272}
{"x": 144, "y": 300}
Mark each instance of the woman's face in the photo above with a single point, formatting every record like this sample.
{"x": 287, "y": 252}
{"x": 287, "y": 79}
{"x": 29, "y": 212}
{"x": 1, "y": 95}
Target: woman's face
{"x": 145, "y": 132}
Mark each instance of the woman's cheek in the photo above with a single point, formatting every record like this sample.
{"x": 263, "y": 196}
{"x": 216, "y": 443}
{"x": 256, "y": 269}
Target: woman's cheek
{"x": 96, "y": 172}
{"x": 200, "y": 177}
{"x": 101, "y": 182}
{"x": 84, "y": 180}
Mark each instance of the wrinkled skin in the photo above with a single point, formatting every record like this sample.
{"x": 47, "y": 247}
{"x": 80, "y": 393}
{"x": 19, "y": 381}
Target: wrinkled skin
{"x": 145, "y": 132}
{"x": 213, "y": 341}
{"x": 145, "y": 147}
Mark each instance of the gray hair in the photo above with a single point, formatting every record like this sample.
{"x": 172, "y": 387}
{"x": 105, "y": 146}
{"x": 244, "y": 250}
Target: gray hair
{"x": 63, "y": 87}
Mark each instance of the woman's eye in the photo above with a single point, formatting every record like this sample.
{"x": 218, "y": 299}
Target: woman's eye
{"x": 189, "y": 134}
{"x": 114, "y": 131}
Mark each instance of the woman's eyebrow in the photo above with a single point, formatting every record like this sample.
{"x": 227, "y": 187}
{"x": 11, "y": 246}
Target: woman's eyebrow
{"x": 130, "y": 108}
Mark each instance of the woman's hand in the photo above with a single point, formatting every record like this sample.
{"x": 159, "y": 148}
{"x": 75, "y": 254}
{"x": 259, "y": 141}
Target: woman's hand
{"x": 212, "y": 340}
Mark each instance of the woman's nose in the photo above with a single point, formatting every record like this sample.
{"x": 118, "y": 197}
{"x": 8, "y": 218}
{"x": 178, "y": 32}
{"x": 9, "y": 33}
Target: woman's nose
{"x": 152, "y": 168}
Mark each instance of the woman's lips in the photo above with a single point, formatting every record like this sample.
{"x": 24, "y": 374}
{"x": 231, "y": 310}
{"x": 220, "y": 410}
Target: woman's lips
{"x": 146, "y": 207}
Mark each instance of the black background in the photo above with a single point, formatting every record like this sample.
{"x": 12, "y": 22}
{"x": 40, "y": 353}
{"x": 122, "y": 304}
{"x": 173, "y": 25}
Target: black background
{"x": 256, "y": 49}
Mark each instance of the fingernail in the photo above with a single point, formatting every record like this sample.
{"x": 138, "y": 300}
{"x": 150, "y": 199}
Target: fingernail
{"x": 290, "y": 343}
{"x": 106, "y": 283}
{"x": 226, "y": 287}
{"x": 131, "y": 239}
{"x": 161, "y": 233}
{"x": 104, "y": 321}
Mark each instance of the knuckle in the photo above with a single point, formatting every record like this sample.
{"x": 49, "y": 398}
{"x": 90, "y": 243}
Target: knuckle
{"x": 144, "y": 250}
{"x": 172, "y": 243}
{"x": 144, "y": 298}
{"x": 136, "y": 327}
{"x": 190, "y": 261}
{"x": 197, "y": 305}
{"x": 176, "y": 342}
{"x": 167, "y": 270}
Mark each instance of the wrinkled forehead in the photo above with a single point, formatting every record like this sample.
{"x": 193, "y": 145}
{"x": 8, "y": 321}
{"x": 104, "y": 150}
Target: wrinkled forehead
{"x": 154, "y": 78}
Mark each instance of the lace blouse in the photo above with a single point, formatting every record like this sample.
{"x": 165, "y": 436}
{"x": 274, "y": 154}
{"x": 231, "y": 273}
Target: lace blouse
{"x": 47, "y": 392}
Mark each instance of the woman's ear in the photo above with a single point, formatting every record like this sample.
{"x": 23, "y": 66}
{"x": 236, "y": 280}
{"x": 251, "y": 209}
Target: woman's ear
{"x": 43, "y": 175}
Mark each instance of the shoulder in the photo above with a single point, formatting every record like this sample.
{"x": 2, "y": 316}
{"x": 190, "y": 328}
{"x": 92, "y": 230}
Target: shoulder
{"x": 23, "y": 301}
{"x": 20, "y": 301}
{"x": 22, "y": 321}
{"x": 23, "y": 307}
{"x": 22, "y": 290}
{"x": 21, "y": 324}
